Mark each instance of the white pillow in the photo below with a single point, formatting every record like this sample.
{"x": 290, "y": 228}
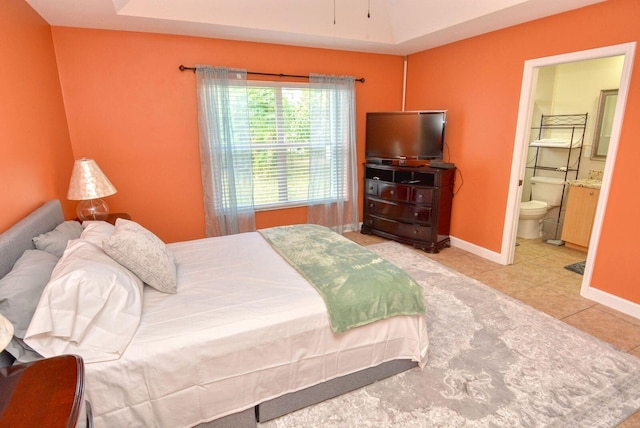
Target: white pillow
{"x": 97, "y": 231}
{"x": 55, "y": 242}
{"x": 91, "y": 306}
{"x": 142, "y": 252}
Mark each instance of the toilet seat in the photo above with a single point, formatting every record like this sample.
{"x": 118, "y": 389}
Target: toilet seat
{"x": 534, "y": 208}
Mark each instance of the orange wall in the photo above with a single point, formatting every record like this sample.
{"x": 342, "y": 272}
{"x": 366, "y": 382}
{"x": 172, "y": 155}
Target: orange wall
{"x": 131, "y": 109}
{"x": 479, "y": 81}
{"x": 35, "y": 151}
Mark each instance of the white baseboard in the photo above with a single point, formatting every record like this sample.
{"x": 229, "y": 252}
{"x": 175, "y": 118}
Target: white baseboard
{"x": 477, "y": 250}
{"x": 611, "y": 301}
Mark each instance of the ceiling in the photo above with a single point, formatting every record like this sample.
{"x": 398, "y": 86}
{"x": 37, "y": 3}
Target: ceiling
{"x": 397, "y": 27}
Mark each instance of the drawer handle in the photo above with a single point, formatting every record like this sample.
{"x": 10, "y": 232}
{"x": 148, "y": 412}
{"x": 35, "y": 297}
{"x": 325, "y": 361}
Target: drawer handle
{"x": 415, "y": 214}
{"x": 415, "y": 231}
{"x": 420, "y": 196}
{"x": 590, "y": 193}
{"x": 370, "y": 221}
{"x": 392, "y": 192}
{"x": 371, "y": 205}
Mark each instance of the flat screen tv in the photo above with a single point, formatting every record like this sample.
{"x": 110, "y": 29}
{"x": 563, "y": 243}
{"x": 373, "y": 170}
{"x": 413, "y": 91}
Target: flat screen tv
{"x": 405, "y": 135}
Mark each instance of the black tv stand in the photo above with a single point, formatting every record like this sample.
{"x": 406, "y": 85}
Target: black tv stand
{"x": 409, "y": 204}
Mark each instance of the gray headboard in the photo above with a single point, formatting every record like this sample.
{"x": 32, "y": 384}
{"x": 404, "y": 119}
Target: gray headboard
{"x": 17, "y": 239}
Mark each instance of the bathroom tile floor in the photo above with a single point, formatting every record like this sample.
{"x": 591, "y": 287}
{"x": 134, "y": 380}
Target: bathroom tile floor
{"x": 538, "y": 278}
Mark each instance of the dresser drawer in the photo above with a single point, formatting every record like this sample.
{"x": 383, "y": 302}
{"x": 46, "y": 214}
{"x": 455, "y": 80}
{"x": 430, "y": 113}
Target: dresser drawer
{"x": 371, "y": 187}
{"x": 410, "y": 213}
{"x": 411, "y": 231}
{"x": 422, "y": 195}
{"x": 394, "y": 192}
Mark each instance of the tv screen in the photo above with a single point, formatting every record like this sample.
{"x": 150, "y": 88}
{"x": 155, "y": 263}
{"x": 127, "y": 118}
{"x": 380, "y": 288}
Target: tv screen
{"x": 406, "y": 134}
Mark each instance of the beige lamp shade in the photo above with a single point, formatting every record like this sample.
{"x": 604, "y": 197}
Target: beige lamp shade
{"x": 88, "y": 182}
{"x": 6, "y": 332}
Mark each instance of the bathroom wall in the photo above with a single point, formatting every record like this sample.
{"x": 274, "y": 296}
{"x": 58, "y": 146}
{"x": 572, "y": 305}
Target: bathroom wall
{"x": 578, "y": 85}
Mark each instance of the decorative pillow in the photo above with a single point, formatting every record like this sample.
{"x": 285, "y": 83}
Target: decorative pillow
{"x": 97, "y": 231}
{"x": 91, "y": 306}
{"x": 55, "y": 242}
{"x": 142, "y": 252}
{"x": 21, "y": 288}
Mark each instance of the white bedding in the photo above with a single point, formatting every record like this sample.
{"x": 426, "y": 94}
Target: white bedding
{"x": 243, "y": 327}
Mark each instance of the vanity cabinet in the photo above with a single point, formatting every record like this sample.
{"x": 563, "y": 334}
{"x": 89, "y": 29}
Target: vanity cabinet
{"x": 578, "y": 219}
{"x": 409, "y": 204}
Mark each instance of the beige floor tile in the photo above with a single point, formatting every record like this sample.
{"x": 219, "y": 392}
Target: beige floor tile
{"x": 607, "y": 327}
{"x": 445, "y": 253}
{"x": 535, "y": 273}
{"x": 503, "y": 281}
{"x": 568, "y": 285}
{"x": 469, "y": 264}
{"x": 632, "y": 422}
{"x": 364, "y": 240}
{"x": 528, "y": 252}
{"x": 635, "y": 351}
{"x": 551, "y": 302}
{"x": 560, "y": 259}
{"x": 619, "y": 314}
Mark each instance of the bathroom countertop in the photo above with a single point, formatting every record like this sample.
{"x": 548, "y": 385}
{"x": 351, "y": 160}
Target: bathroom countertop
{"x": 586, "y": 182}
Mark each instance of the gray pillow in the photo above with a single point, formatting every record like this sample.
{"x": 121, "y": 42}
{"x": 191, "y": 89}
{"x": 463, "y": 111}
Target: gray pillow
{"x": 21, "y": 351}
{"x": 55, "y": 242}
{"x": 144, "y": 254}
{"x": 20, "y": 289}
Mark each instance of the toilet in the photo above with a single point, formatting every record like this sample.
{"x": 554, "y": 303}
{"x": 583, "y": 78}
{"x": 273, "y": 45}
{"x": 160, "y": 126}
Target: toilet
{"x": 546, "y": 193}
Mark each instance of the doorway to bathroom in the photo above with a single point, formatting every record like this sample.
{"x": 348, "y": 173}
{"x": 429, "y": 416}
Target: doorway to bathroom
{"x": 565, "y": 116}
{"x": 547, "y": 84}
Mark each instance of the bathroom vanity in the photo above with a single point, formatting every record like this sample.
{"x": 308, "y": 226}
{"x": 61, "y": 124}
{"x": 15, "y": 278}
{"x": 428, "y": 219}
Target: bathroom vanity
{"x": 581, "y": 211}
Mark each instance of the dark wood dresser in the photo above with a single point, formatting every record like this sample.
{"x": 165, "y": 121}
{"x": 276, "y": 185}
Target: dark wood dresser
{"x": 44, "y": 393}
{"x": 409, "y": 204}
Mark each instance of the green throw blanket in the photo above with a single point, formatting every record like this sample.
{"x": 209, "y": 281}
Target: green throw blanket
{"x": 357, "y": 285}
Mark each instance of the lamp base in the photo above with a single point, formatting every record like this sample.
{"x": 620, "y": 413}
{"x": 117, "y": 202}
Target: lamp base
{"x": 92, "y": 209}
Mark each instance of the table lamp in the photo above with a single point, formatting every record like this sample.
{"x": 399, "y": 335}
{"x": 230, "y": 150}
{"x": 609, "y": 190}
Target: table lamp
{"x": 88, "y": 184}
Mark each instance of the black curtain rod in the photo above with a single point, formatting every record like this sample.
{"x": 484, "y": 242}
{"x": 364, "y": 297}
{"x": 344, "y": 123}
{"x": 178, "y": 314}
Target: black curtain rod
{"x": 184, "y": 68}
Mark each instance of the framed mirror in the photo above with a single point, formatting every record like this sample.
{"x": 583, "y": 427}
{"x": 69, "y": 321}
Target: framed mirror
{"x": 604, "y": 121}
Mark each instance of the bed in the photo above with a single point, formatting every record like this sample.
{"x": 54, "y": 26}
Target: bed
{"x": 244, "y": 337}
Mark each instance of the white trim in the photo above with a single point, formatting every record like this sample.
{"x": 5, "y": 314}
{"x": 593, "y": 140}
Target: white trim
{"x": 612, "y": 301}
{"x": 518, "y": 164}
{"x": 612, "y": 153}
{"x": 476, "y": 249}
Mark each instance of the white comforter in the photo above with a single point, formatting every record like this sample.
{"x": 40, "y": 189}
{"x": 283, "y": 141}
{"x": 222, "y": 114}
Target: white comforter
{"x": 244, "y": 327}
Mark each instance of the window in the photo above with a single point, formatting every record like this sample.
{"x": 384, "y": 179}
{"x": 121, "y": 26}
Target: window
{"x": 293, "y": 143}
{"x": 280, "y": 132}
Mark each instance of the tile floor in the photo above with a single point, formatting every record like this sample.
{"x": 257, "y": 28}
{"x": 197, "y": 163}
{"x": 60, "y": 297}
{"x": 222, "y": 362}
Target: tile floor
{"x": 539, "y": 279}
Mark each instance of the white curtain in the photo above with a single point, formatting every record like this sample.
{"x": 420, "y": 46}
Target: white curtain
{"x": 225, "y": 150}
{"x": 333, "y": 195}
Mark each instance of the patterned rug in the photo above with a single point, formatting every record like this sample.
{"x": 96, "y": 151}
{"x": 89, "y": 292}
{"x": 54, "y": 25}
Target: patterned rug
{"x": 493, "y": 362}
{"x": 576, "y": 267}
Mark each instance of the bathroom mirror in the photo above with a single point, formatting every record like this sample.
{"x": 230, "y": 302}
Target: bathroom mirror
{"x": 604, "y": 121}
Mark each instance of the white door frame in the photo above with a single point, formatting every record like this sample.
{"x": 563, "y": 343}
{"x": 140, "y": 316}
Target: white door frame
{"x": 525, "y": 113}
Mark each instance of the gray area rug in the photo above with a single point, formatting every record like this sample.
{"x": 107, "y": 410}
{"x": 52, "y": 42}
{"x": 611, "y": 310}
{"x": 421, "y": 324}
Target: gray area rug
{"x": 493, "y": 362}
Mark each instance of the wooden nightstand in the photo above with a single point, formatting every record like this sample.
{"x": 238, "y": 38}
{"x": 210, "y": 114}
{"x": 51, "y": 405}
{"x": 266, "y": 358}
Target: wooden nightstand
{"x": 114, "y": 216}
{"x": 43, "y": 393}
